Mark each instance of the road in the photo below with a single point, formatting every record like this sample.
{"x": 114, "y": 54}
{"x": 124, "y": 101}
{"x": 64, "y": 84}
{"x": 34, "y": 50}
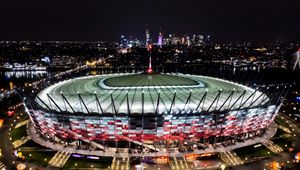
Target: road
{"x": 8, "y": 158}
{"x": 7, "y": 148}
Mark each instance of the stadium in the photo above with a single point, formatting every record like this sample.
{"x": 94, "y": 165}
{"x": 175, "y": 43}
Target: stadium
{"x": 153, "y": 111}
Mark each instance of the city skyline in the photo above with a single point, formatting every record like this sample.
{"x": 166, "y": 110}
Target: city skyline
{"x": 230, "y": 21}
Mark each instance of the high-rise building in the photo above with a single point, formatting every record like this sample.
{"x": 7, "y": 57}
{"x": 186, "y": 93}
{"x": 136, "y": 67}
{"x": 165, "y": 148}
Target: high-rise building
{"x": 188, "y": 41}
{"x": 147, "y": 36}
{"x": 160, "y": 39}
{"x": 183, "y": 39}
{"x": 123, "y": 41}
{"x": 197, "y": 40}
{"x": 129, "y": 42}
{"x": 208, "y": 39}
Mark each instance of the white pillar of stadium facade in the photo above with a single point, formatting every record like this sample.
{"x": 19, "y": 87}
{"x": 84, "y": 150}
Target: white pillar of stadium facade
{"x": 129, "y": 120}
{"x": 54, "y": 102}
{"x": 143, "y": 122}
{"x": 98, "y": 104}
{"x": 65, "y": 100}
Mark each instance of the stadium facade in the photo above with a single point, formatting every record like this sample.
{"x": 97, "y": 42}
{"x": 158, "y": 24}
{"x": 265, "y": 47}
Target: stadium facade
{"x": 153, "y": 110}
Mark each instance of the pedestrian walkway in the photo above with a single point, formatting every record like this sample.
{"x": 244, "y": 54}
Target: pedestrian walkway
{"x": 140, "y": 143}
{"x": 94, "y": 143}
{"x": 21, "y": 141}
{"x": 272, "y": 146}
{"x": 59, "y": 159}
{"x": 178, "y": 163}
{"x": 22, "y": 123}
{"x": 231, "y": 158}
{"x": 120, "y": 163}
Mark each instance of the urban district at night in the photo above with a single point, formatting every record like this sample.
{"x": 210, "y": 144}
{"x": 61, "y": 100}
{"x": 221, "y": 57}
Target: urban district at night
{"x": 172, "y": 85}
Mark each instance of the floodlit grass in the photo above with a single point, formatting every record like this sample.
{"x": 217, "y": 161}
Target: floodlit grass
{"x": 18, "y": 133}
{"x": 149, "y": 80}
{"x": 102, "y": 163}
{"x": 252, "y": 152}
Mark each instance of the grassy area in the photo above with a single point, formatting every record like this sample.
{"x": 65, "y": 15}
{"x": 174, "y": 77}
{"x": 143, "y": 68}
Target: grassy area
{"x": 283, "y": 142}
{"x": 36, "y": 153}
{"x": 282, "y": 138}
{"x": 102, "y": 163}
{"x": 18, "y": 133}
{"x": 252, "y": 152}
{"x": 40, "y": 153}
{"x": 40, "y": 157}
{"x": 149, "y": 80}
{"x": 280, "y": 133}
{"x": 32, "y": 145}
{"x": 281, "y": 122}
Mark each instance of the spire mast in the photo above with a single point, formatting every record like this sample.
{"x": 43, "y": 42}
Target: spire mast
{"x": 149, "y": 70}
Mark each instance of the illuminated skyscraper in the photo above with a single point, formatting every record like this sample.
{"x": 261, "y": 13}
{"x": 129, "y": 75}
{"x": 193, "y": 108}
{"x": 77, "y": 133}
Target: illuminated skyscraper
{"x": 160, "y": 39}
{"x": 208, "y": 39}
{"x": 188, "y": 41}
{"x": 147, "y": 36}
{"x": 198, "y": 40}
{"x": 123, "y": 41}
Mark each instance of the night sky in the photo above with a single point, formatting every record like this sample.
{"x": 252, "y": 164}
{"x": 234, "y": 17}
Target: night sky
{"x": 89, "y": 20}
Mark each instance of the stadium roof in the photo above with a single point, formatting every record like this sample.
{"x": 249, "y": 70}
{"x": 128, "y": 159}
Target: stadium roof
{"x": 148, "y": 93}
